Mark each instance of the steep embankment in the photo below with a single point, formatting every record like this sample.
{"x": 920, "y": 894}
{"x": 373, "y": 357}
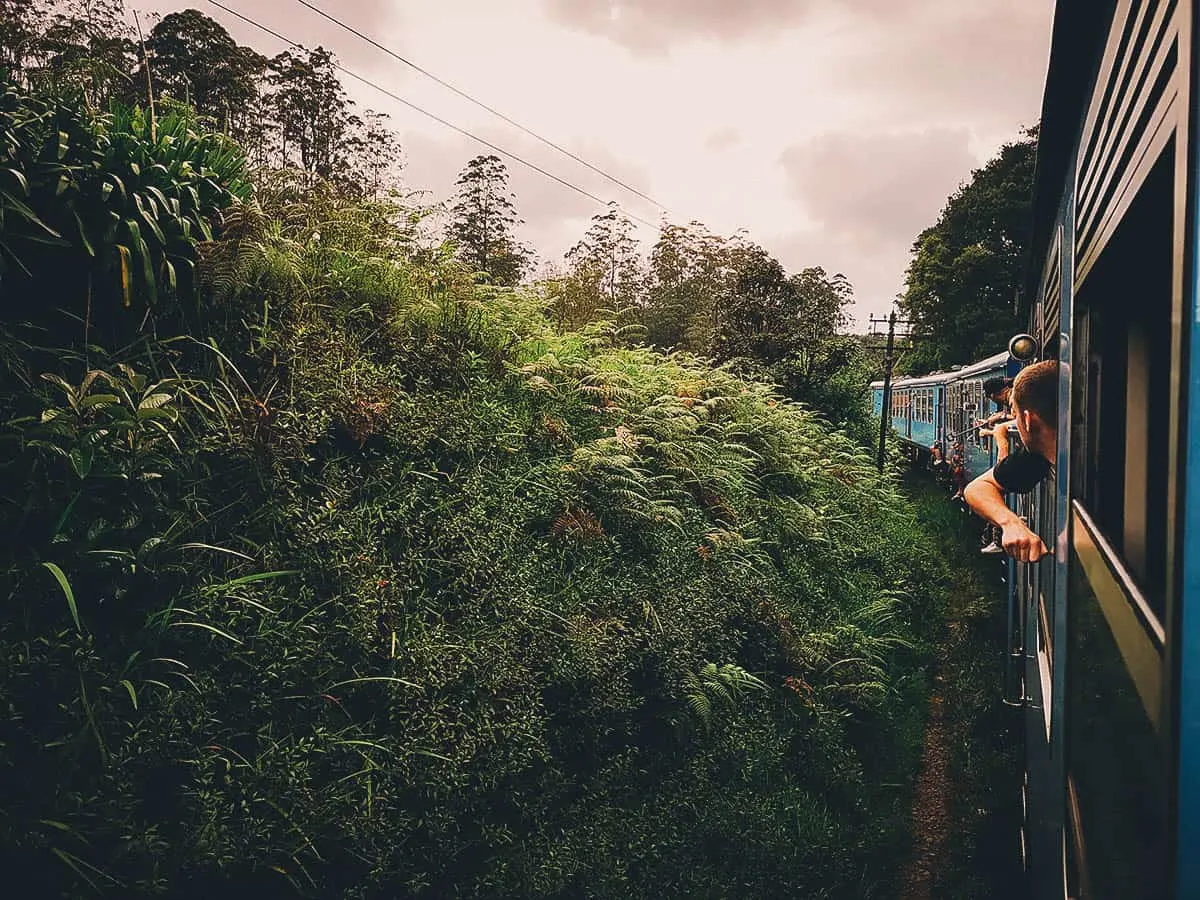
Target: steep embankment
{"x": 364, "y": 582}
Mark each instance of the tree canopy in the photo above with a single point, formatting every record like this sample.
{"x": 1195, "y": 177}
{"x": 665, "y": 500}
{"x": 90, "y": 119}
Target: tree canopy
{"x": 483, "y": 221}
{"x": 961, "y": 284}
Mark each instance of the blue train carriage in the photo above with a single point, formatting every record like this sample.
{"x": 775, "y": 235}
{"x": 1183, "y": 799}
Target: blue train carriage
{"x": 966, "y": 403}
{"x": 1105, "y": 634}
{"x": 915, "y": 409}
{"x": 942, "y": 408}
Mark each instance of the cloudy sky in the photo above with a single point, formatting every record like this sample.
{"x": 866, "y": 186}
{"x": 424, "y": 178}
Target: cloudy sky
{"x": 831, "y": 130}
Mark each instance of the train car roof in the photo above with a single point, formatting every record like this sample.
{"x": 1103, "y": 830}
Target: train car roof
{"x": 1077, "y": 45}
{"x": 1000, "y": 360}
{"x": 919, "y": 380}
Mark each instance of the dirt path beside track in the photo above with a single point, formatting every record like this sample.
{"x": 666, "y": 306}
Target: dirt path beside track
{"x": 966, "y": 805}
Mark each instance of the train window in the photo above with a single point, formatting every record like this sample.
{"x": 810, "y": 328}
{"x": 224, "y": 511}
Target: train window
{"x": 974, "y": 397}
{"x": 1116, "y": 761}
{"x": 1120, "y": 444}
{"x": 1121, "y": 385}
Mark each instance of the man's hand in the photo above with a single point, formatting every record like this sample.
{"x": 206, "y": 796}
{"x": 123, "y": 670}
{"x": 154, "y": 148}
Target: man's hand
{"x": 1022, "y": 544}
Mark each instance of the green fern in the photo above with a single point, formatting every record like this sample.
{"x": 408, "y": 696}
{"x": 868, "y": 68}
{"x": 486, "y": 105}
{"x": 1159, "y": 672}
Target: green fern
{"x": 715, "y": 687}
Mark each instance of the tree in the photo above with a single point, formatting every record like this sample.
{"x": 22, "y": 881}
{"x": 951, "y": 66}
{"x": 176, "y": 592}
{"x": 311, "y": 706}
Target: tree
{"x": 194, "y": 60}
{"x": 20, "y": 27}
{"x": 483, "y": 219}
{"x": 966, "y": 268}
{"x": 821, "y": 302}
{"x": 760, "y": 318}
{"x": 790, "y": 329}
{"x": 374, "y": 154}
{"x": 88, "y": 44}
{"x": 689, "y": 276}
{"x": 311, "y": 110}
{"x": 607, "y": 266}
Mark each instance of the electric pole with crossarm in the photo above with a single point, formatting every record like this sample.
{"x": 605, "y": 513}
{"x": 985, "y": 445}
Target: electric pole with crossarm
{"x": 888, "y": 362}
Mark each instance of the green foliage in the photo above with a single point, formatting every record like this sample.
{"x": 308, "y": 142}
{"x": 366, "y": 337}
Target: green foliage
{"x": 482, "y": 221}
{"x": 311, "y": 110}
{"x": 104, "y": 211}
{"x": 690, "y": 272}
{"x": 196, "y": 62}
{"x": 962, "y": 281}
{"x": 605, "y": 279}
{"x": 372, "y": 582}
{"x": 720, "y": 685}
{"x": 87, "y": 45}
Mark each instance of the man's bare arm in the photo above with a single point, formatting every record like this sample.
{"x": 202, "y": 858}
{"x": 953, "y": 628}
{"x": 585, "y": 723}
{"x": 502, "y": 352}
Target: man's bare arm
{"x": 1000, "y": 433}
{"x": 985, "y": 496}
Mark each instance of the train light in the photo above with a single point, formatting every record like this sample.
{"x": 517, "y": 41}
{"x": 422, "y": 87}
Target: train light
{"x": 1023, "y": 347}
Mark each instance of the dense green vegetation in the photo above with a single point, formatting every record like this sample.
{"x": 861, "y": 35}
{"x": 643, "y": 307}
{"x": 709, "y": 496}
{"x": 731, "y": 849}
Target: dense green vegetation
{"x": 333, "y": 565}
{"x": 981, "y": 857}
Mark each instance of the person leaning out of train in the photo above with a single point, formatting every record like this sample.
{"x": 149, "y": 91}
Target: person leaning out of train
{"x": 936, "y": 462}
{"x": 999, "y": 391}
{"x": 995, "y": 426}
{"x": 998, "y": 432}
{"x": 1033, "y": 402}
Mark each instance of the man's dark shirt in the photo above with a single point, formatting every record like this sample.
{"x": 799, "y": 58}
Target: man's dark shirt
{"x": 1021, "y": 471}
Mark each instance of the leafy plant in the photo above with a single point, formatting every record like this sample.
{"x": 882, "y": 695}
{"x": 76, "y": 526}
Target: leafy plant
{"x": 105, "y": 207}
{"x": 718, "y": 685}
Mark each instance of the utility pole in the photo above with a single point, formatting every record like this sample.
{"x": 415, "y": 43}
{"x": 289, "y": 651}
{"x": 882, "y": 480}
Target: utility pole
{"x": 889, "y": 361}
{"x": 885, "y": 417}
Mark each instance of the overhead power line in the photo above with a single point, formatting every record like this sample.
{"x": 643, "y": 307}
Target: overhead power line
{"x": 514, "y": 157}
{"x": 495, "y": 112}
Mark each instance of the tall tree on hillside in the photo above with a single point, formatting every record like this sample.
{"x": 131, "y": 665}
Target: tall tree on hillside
{"x": 20, "y": 27}
{"x": 311, "y": 110}
{"x": 790, "y": 330}
{"x": 689, "y": 275}
{"x": 821, "y": 306}
{"x": 375, "y": 154}
{"x": 483, "y": 221}
{"x": 966, "y": 268}
{"x": 89, "y": 44}
{"x": 607, "y": 265}
{"x": 758, "y": 319}
{"x": 194, "y": 60}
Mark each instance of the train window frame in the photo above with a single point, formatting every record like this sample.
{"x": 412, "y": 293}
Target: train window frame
{"x": 1119, "y": 431}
